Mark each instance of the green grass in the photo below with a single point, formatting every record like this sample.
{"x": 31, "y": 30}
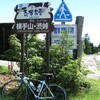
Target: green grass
{"x": 3, "y": 69}
{"x": 0, "y": 97}
{"x": 91, "y": 94}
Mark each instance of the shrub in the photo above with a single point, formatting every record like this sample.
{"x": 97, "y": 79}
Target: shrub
{"x": 71, "y": 76}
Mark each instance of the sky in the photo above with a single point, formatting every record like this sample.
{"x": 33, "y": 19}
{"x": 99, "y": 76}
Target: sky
{"x": 89, "y": 9}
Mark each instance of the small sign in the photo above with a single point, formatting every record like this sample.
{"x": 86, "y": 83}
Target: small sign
{"x": 34, "y": 13}
{"x": 63, "y": 14}
{"x": 72, "y": 31}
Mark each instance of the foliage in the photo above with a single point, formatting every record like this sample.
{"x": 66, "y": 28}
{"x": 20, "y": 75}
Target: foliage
{"x": 59, "y": 54}
{"x": 35, "y": 75}
{"x": 33, "y": 54}
{"x": 33, "y": 65}
{"x": 3, "y": 69}
{"x": 89, "y": 48}
{"x": 72, "y": 75}
{"x": 15, "y": 47}
{"x": 58, "y": 58}
{"x": 93, "y": 93}
{"x": 66, "y": 43}
{"x": 99, "y": 47}
{"x": 67, "y": 71}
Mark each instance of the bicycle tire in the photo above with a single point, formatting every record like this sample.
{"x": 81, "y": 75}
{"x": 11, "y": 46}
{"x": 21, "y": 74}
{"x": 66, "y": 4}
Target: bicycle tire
{"x": 14, "y": 90}
{"x": 58, "y": 92}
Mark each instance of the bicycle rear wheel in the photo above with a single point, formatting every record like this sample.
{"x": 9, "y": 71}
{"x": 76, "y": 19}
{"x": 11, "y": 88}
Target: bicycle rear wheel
{"x": 14, "y": 90}
{"x": 58, "y": 92}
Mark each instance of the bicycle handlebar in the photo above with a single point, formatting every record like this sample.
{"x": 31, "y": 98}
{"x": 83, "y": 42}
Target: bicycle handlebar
{"x": 18, "y": 75}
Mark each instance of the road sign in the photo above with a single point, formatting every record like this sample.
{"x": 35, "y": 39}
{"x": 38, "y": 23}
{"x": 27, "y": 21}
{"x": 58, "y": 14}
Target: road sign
{"x": 72, "y": 31}
{"x": 33, "y": 13}
{"x": 33, "y": 18}
{"x": 33, "y": 26}
{"x": 63, "y": 14}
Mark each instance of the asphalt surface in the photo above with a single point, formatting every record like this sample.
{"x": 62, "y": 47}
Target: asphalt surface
{"x": 92, "y": 62}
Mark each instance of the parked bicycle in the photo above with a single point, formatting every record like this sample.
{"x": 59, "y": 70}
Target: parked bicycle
{"x": 19, "y": 89}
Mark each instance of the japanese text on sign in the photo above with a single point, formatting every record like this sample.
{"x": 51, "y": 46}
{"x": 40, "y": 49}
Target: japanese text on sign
{"x": 31, "y": 26}
{"x": 70, "y": 29}
{"x": 32, "y": 12}
{"x": 58, "y": 30}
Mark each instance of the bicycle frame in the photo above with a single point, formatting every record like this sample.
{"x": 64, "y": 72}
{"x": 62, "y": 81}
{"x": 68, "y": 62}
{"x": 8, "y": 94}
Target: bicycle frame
{"x": 38, "y": 88}
{"x": 43, "y": 85}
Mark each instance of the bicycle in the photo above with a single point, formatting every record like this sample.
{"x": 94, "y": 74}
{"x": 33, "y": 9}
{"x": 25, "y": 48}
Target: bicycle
{"x": 18, "y": 89}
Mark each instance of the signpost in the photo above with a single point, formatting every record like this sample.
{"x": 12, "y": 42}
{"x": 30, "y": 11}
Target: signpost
{"x": 33, "y": 18}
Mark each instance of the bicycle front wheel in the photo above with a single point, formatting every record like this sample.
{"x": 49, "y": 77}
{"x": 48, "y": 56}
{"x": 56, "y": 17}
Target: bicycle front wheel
{"x": 58, "y": 92}
{"x": 14, "y": 90}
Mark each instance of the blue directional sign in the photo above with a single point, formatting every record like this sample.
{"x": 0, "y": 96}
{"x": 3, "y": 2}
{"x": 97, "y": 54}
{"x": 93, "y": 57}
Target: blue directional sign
{"x": 63, "y": 14}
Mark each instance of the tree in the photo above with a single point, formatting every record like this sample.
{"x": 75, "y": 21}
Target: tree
{"x": 99, "y": 47}
{"x": 89, "y": 48}
{"x": 13, "y": 53}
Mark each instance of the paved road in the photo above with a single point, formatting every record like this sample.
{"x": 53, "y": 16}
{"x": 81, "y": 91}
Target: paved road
{"x": 92, "y": 62}
{"x": 97, "y": 60}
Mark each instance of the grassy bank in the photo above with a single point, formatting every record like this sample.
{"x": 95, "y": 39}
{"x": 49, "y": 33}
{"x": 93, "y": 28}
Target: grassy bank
{"x": 3, "y": 69}
{"x": 90, "y": 94}
{"x": 93, "y": 93}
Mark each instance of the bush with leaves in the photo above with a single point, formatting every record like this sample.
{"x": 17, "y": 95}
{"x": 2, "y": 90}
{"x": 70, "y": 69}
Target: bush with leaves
{"x": 58, "y": 59}
{"x": 34, "y": 57}
{"x": 67, "y": 71}
{"x": 59, "y": 54}
{"x": 71, "y": 76}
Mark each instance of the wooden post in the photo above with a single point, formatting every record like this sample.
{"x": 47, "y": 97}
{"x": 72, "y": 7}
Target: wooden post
{"x": 22, "y": 52}
{"x": 79, "y": 22}
{"x": 47, "y": 51}
{"x": 3, "y": 38}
